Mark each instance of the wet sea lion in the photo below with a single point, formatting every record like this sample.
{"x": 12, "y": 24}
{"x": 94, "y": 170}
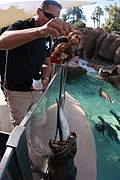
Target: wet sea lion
{"x": 61, "y": 161}
{"x": 117, "y": 127}
{"x": 105, "y": 95}
{"x": 110, "y": 130}
{"x": 100, "y": 128}
{"x": 115, "y": 115}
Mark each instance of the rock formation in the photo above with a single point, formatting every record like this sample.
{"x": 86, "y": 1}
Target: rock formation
{"x": 75, "y": 70}
{"x": 100, "y": 45}
{"x": 111, "y": 76}
{"x": 102, "y": 52}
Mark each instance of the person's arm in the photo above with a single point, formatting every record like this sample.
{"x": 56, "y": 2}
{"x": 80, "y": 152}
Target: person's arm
{"x": 46, "y": 71}
{"x": 15, "y": 38}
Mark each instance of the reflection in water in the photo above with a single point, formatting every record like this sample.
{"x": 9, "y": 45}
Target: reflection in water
{"x": 43, "y": 128}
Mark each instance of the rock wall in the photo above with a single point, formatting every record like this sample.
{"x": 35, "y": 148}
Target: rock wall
{"x": 100, "y": 45}
{"x": 74, "y": 70}
{"x": 112, "y": 76}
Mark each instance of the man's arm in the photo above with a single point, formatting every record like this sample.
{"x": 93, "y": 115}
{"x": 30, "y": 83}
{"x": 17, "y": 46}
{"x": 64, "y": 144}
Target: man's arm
{"x": 15, "y": 38}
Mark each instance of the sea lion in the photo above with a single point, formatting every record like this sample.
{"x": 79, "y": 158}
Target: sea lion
{"x": 61, "y": 161}
{"x": 105, "y": 95}
{"x": 117, "y": 127}
{"x": 100, "y": 128}
{"x": 115, "y": 115}
{"x": 110, "y": 130}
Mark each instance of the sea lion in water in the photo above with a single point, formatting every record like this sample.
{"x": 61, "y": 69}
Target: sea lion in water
{"x": 115, "y": 115}
{"x": 61, "y": 161}
{"x": 110, "y": 130}
{"x": 100, "y": 128}
{"x": 117, "y": 127}
{"x": 105, "y": 95}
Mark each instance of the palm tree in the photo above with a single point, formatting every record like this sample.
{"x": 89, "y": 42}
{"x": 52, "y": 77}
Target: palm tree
{"x": 106, "y": 12}
{"x": 98, "y": 13}
{"x": 64, "y": 17}
{"x": 94, "y": 19}
{"x": 74, "y": 14}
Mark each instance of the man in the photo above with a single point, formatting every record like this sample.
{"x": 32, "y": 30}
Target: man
{"x": 2, "y": 61}
{"x": 28, "y": 44}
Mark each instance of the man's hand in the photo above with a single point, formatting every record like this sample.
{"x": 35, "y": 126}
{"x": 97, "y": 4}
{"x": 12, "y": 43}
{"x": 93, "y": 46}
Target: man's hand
{"x": 44, "y": 83}
{"x": 55, "y": 27}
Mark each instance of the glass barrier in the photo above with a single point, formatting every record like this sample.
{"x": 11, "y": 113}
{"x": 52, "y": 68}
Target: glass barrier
{"x": 3, "y": 140}
{"x": 24, "y": 154}
{"x": 41, "y": 122}
{"x": 15, "y": 163}
{"x": 6, "y": 163}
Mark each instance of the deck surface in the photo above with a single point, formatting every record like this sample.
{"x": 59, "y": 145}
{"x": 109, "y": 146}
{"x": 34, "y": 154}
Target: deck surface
{"x": 85, "y": 158}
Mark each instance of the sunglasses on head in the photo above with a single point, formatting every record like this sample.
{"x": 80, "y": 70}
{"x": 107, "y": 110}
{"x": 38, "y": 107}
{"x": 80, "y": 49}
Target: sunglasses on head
{"x": 48, "y": 15}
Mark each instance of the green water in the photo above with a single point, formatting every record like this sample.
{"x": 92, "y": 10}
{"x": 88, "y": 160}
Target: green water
{"x": 85, "y": 90}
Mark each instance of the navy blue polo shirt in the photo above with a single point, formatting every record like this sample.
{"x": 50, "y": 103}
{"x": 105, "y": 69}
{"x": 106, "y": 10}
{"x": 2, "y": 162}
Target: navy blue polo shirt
{"x": 25, "y": 62}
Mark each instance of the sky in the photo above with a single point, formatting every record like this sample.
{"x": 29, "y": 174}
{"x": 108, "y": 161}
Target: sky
{"x": 88, "y": 10}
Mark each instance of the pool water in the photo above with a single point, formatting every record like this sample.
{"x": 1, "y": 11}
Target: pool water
{"x": 85, "y": 90}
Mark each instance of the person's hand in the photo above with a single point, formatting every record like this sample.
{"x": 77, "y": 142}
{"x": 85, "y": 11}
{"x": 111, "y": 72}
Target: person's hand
{"x": 75, "y": 58}
{"x": 55, "y": 27}
{"x": 44, "y": 84}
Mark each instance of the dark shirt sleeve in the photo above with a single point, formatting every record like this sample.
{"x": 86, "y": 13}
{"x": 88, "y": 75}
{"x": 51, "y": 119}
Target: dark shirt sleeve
{"x": 18, "y": 25}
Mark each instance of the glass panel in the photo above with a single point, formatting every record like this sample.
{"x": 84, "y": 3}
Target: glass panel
{"x": 8, "y": 167}
{"x": 41, "y": 123}
{"x": 3, "y": 139}
{"x": 15, "y": 163}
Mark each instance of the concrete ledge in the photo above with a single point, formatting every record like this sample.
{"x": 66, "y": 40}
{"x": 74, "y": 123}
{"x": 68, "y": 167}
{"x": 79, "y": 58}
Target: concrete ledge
{"x": 85, "y": 159}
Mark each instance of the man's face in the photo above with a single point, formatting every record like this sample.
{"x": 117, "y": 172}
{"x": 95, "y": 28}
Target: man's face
{"x": 47, "y": 14}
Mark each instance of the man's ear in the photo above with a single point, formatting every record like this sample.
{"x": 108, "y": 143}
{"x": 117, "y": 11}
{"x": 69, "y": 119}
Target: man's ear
{"x": 38, "y": 11}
